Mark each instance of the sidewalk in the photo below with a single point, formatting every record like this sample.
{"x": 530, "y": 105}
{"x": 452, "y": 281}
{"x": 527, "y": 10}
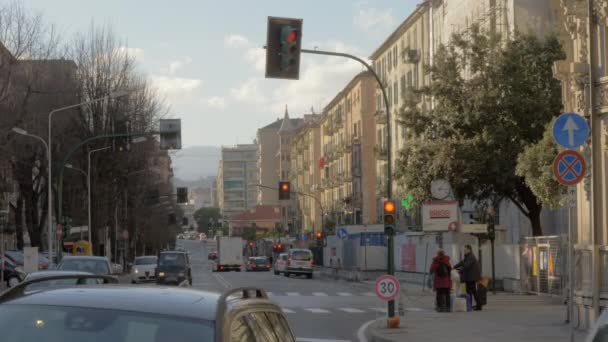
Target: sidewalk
{"x": 507, "y": 317}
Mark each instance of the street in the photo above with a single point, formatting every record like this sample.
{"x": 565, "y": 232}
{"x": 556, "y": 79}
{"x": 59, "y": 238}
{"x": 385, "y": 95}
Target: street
{"x": 317, "y": 309}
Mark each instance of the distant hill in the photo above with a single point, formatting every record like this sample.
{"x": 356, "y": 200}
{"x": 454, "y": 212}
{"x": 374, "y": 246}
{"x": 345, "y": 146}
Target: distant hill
{"x": 196, "y": 162}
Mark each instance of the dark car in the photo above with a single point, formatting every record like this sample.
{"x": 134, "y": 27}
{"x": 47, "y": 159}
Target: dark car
{"x": 13, "y": 274}
{"x": 173, "y": 268}
{"x": 258, "y": 264}
{"x": 143, "y": 314}
{"x": 212, "y": 255}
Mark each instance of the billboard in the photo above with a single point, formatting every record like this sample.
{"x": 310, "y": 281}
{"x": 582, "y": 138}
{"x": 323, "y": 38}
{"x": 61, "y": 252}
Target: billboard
{"x": 440, "y": 216}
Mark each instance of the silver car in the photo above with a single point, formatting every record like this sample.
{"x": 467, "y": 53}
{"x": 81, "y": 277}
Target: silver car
{"x": 144, "y": 268}
{"x": 92, "y": 264}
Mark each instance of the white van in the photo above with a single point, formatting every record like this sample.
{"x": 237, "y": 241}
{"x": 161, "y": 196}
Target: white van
{"x": 299, "y": 261}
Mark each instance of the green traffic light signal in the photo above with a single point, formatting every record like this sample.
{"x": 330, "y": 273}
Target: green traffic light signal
{"x": 407, "y": 202}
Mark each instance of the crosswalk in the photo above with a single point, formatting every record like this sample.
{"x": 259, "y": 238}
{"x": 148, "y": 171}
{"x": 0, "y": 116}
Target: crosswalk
{"x": 372, "y": 310}
{"x": 321, "y": 294}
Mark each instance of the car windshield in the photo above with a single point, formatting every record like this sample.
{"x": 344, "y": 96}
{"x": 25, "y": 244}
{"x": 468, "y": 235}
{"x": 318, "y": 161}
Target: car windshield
{"x": 96, "y": 266}
{"x": 20, "y": 323}
{"x": 172, "y": 260}
{"x": 146, "y": 261}
{"x": 301, "y": 255}
{"x": 260, "y": 261}
{"x": 16, "y": 256}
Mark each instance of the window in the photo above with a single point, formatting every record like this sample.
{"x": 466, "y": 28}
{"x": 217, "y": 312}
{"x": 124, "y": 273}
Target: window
{"x": 403, "y": 86}
{"x": 415, "y": 76}
{"x": 390, "y": 94}
{"x": 395, "y": 56}
{"x": 396, "y": 92}
{"x": 409, "y": 79}
{"x": 415, "y": 43}
{"x": 390, "y": 59}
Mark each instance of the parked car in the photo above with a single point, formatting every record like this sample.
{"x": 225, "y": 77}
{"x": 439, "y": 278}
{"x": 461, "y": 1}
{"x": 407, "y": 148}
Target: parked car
{"x": 258, "y": 264}
{"x": 118, "y": 313}
{"x": 299, "y": 261}
{"x": 212, "y": 255}
{"x": 280, "y": 265}
{"x": 18, "y": 259}
{"x": 599, "y": 330}
{"x": 13, "y": 274}
{"x": 92, "y": 264}
{"x": 46, "y": 279}
{"x": 173, "y": 268}
{"x": 144, "y": 269}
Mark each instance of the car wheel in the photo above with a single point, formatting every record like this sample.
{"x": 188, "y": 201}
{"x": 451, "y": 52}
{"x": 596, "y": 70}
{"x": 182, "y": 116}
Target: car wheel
{"x": 133, "y": 282}
{"x": 309, "y": 276}
{"x": 190, "y": 281}
{"x": 276, "y": 273}
{"x": 286, "y": 274}
{"x": 13, "y": 281}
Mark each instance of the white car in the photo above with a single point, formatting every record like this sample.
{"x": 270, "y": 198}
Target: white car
{"x": 144, "y": 269}
{"x": 280, "y": 264}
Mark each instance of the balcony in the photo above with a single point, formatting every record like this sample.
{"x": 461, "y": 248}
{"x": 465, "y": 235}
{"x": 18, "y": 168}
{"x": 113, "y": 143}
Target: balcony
{"x": 338, "y": 122}
{"x": 381, "y": 152}
{"x": 381, "y": 117}
{"x": 328, "y": 130}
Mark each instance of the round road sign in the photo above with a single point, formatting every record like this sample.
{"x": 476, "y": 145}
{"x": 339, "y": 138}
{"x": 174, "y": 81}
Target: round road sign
{"x": 569, "y": 167}
{"x": 387, "y": 287}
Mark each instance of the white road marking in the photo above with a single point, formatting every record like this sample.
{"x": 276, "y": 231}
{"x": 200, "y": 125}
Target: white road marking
{"x": 320, "y": 294}
{"x": 288, "y": 311}
{"x": 304, "y": 339}
{"x": 344, "y": 294}
{"x": 270, "y": 294}
{"x": 382, "y": 310}
{"x": 316, "y": 310}
{"x": 361, "y": 331}
{"x": 292, "y": 293}
{"x": 351, "y": 310}
{"x": 369, "y": 294}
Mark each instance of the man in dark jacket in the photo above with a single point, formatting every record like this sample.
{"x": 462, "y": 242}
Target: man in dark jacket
{"x": 442, "y": 281}
{"x": 470, "y": 273}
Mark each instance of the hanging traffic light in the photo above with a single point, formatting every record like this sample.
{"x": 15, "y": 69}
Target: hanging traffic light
{"x": 284, "y": 190}
{"x": 182, "y": 195}
{"x": 170, "y": 134}
{"x": 283, "y": 45}
{"x": 389, "y": 217}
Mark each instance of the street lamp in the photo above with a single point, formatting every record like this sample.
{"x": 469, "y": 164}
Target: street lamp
{"x": 112, "y": 95}
{"x": 23, "y": 132}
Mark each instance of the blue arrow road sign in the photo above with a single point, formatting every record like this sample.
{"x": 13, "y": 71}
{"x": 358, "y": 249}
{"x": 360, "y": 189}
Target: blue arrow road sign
{"x": 570, "y": 130}
{"x": 342, "y": 234}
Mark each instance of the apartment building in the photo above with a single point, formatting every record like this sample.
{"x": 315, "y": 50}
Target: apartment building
{"x": 347, "y": 131}
{"x": 400, "y": 62}
{"x": 306, "y": 175}
{"x": 238, "y": 179}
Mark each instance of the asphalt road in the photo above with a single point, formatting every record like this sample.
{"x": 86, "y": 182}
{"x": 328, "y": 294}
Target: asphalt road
{"x": 317, "y": 309}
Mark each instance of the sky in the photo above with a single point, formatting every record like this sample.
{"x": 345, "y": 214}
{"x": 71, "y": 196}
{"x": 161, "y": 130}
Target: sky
{"x": 206, "y": 57}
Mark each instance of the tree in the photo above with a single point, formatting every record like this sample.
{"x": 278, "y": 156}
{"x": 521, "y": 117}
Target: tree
{"x": 203, "y": 217}
{"x": 492, "y": 98}
{"x": 535, "y": 165}
{"x": 250, "y": 233}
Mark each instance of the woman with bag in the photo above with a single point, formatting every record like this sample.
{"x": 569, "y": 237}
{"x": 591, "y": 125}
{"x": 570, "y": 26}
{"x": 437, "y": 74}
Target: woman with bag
{"x": 442, "y": 281}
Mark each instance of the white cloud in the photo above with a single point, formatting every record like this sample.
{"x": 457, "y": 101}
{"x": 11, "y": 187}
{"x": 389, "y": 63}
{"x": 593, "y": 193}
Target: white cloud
{"x": 369, "y": 18}
{"x": 216, "y": 102}
{"x": 175, "y": 65}
{"x": 136, "y": 53}
{"x": 176, "y": 86}
{"x": 248, "y": 92}
{"x": 256, "y": 57}
{"x": 236, "y": 41}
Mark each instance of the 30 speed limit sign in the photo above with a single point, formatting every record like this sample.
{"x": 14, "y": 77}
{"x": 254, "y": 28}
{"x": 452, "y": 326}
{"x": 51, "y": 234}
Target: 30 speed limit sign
{"x": 387, "y": 287}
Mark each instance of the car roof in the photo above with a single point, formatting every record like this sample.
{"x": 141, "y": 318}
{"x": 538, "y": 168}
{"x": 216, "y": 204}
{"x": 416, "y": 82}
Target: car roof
{"x": 146, "y": 256}
{"x": 85, "y": 257}
{"x": 300, "y": 250}
{"x": 173, "y": 301}
{"x": 42, "y": 274}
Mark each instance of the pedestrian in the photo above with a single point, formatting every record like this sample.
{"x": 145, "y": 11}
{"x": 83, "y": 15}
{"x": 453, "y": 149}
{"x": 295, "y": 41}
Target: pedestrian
{"x": 470, "y": 274}
{"x": 442, "y": 282}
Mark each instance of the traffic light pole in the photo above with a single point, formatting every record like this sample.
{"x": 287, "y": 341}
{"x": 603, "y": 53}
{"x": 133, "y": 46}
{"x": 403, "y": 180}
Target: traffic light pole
{"x": 389, "y": 183}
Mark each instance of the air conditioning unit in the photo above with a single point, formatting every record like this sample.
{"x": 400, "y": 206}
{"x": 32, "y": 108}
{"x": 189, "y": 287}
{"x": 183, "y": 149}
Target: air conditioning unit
{"x": 411, "y": 55}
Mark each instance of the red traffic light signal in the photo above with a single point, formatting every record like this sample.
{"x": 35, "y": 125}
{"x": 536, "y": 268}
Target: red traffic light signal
{"x": 284, "y": 190}
{"x": 319, "y": 235}
{"x": 283, "y": 48}
{"x": 250, "y": 243}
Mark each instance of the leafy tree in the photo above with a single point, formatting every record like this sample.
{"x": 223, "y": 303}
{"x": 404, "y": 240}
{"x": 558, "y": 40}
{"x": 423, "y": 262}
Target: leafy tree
{"x": 535, "y": 164}
{"x": 492, "y": 98}
{"x": 203, "y": 215}
{"x": 249, "y": 233}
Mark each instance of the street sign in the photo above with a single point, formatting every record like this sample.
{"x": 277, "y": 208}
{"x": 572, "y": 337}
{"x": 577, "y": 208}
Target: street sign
{"x": 304, "y": 237}
{"x": 342, "y": 233}
{"x": 570, "y": 130}
{"x": 387, "y": 287}
{"x": 572, "y": 196}
{"x": 569, "y": 167}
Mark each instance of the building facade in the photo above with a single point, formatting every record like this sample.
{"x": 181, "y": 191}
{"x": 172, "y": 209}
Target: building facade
{"x": 587, "y": 55}
{"x": 238, "y": 179}
{"x": 268, "y": 162}
{"x": 348, "y": 175}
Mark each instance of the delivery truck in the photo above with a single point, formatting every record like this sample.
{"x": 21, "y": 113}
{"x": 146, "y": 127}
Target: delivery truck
{"x": 229, "y": 254}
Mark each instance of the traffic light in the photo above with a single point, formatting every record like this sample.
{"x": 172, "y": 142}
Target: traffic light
{"x": 170, "y": 134}
{"x": 389, "y": 217}
{"x": 250, "y": 243}
{"x": 319, "y": 238}
{"x": 284, "y": 190}
{"x": 491, "y": 229}
{"x": 283, "y": 46}
{"x": 182, "y": 195}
